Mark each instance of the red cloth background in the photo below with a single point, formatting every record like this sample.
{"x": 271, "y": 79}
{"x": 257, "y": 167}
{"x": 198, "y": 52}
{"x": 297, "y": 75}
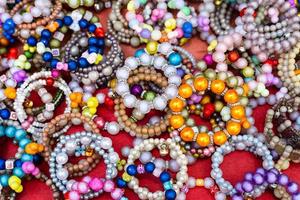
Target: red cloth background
{"x": 234, "y": 167}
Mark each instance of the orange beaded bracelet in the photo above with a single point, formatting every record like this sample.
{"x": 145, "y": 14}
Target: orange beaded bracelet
{"x": 226, "y": 116}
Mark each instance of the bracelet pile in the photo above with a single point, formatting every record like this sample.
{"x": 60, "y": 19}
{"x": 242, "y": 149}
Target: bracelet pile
{"x": 186, "y": 82}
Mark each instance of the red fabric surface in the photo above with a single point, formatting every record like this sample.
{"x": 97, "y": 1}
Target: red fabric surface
{"x": 234, "y": 167}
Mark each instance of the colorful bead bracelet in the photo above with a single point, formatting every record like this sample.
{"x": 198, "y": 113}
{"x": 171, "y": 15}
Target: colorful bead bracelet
{"x": 195, "y": 90}
{"x": 77, "y": 21}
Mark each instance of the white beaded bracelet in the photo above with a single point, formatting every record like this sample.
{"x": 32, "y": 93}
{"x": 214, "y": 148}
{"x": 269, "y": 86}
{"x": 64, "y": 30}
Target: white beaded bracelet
{"x": 35, "y": 81}
{"x": 164, "y": 145}
{"x": 159, "y": 63}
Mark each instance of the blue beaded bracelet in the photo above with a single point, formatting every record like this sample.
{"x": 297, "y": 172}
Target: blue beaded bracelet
{"x": 95, "y": 47}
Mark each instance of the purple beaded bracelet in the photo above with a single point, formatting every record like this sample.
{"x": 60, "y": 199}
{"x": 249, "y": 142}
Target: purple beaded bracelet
{"x": 263, "y": 178}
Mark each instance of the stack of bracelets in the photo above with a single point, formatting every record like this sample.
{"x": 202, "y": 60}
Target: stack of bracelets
{"x": 257, "y": 75}
{"x": 157, "y": 23}
{"x": 271, "y": 27}
{"x": 184, "y": 82}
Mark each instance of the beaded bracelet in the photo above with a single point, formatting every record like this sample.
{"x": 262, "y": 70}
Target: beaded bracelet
{"x": 245, "y": 142}
{"x": 155, "y": 17}
{"x": 83, "y": 97}
{"x": 277, "y": 38}
{"x": 159, "y": 63}
{"x": 280, "y": 144}
{"x": 37, "y": 80}
{"x": 105, "y": 70}
{"x": 172, "y": 188}
{"x": 81, "y": 144}
{"x": 117, "y": 25}
{"x": 16, "y": 168}
{"x": 60, "y": 122}
{"x": 255, "y": 80}
{"x": 265, "y": 177}
{"x": 193, "y": 97}
{"x": 77, "y": 21}
{"x": 214, "y": 19}
{"x": 288, "y": 68}
{"x": 156, "y": 126}
{"x": 22, "y": 26}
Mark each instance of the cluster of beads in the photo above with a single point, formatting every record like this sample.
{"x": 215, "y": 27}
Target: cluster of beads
{"x": 247, "y": 143}
{"x": 265, "y": 177}
{"x": 175, "y": 30}
{"x": 22, "y": 164}
{"x": 274, "y": 29}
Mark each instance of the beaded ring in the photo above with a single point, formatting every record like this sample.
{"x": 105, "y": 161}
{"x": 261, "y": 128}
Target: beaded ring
{"x": 81, "y": 144}
{"x": 172, "y": 188}
{"x": 288, "y": 69}
{"x": 265, "y": 177}
{"x": 245, "y": 142}
{"x": 16, "y": 168}
{"x": 159, "y": 63}
{"x": 196, "y": 90}
{"x": 76, "y": 21}
{"x": 279, "y": 37}
{"x": 282, "y": 145}
{"x": 40, "y": 79}
{"x": 148, "y": 23}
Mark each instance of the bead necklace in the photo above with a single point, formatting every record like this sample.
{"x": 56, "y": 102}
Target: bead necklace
{"x": 282, "y": 145}
{"x": 81, "y": 144}
{"x": 193, "y": 98}
{"x": 155, "y": 125}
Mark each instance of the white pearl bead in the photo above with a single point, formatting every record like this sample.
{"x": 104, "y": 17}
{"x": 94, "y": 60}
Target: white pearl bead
{"x": 62, "y": 158}
{"x": 159, "y": 103}
{"x": 106, "y": 143}
{"x": 62, "y": 174}
{"x": 113, "y": 128}
{"x": 113, "y": 157}
{"x": 129, "y": 100}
